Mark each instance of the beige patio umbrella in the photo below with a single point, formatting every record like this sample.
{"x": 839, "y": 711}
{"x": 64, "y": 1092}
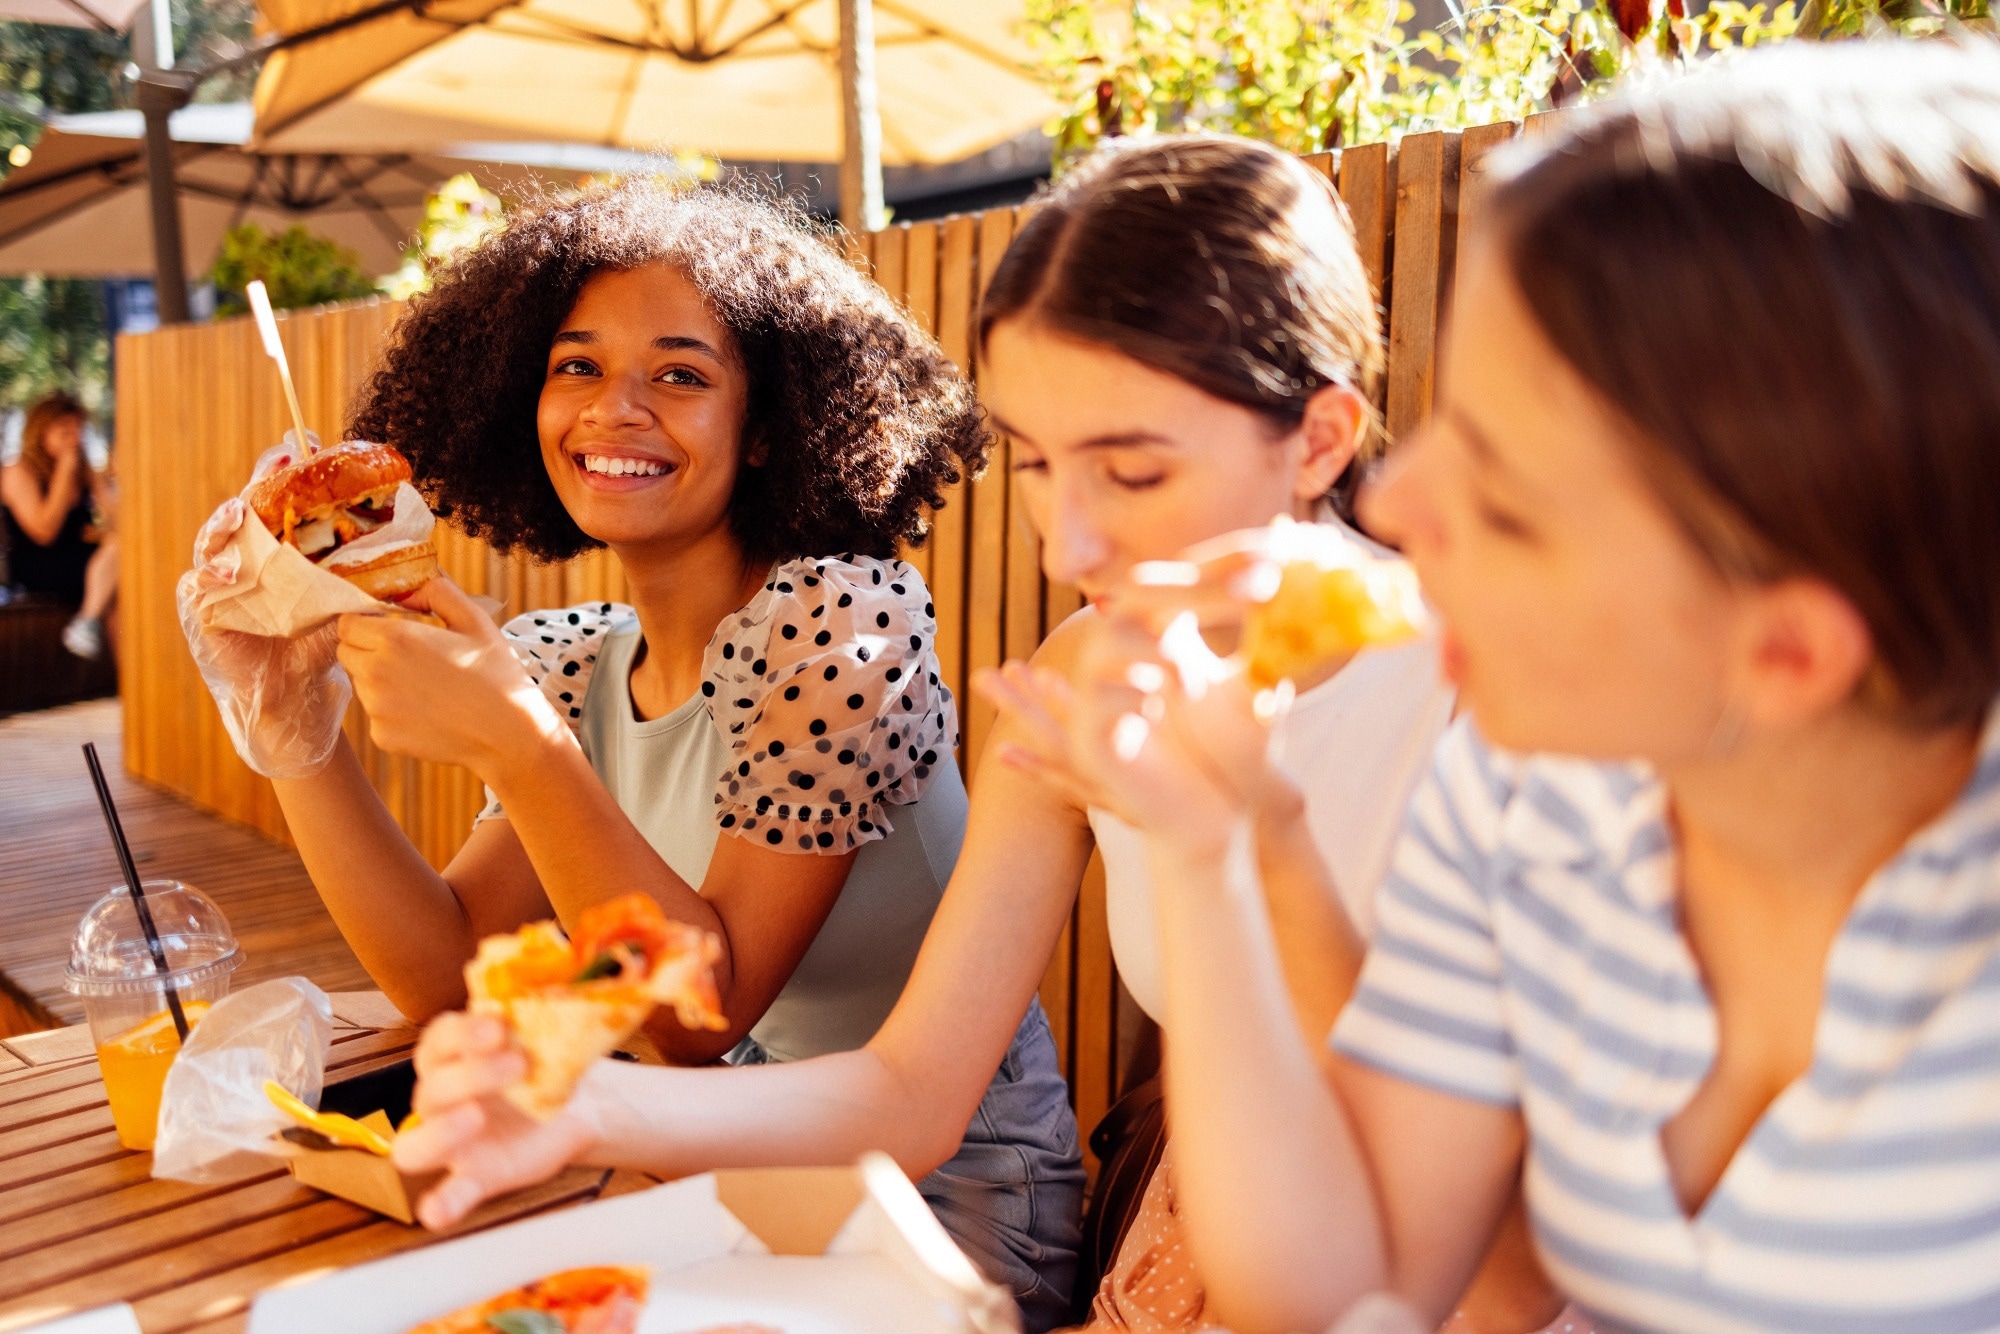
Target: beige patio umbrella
{"x": 80, "y": 208}
{"x": 746, "y": 79}
{"x": 104, "y": 15}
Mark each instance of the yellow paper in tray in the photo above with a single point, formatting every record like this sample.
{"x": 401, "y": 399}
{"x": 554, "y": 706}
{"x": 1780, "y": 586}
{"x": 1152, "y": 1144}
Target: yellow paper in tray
{"x": 344, "y": 1130}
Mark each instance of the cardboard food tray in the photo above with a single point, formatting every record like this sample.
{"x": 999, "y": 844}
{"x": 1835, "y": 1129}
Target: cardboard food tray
{"x": 804, "y": 1250}
{"x": 379, "y": 1099}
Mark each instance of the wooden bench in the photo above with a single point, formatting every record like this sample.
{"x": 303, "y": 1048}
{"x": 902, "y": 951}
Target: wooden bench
{"x": 36, "y": 671}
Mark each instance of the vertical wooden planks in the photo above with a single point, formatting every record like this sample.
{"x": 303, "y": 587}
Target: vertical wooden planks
{"x": 1367, "y": 187}
{"x": 1024, "y": 555}
{"x": 920, "y": 298}
{"x": 1542, "y": 123}
{"x": 985, "y": 643}
{"x": 890, "y": 245}
{"x": 958, "y": 300}
{"x": 1474, "y": 146}
{"x": 1426, "y": 234}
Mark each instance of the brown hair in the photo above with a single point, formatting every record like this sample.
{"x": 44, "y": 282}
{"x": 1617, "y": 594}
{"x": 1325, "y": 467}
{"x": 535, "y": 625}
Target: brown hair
{"x": 862, "y": 420}
{"x": 1222, "y": 262}
{"x": 1786, "y": 276}
{"x": 44, "y": 415}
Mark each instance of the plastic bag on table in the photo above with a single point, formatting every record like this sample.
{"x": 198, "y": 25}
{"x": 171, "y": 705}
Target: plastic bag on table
{"x": 216, "y": 1124}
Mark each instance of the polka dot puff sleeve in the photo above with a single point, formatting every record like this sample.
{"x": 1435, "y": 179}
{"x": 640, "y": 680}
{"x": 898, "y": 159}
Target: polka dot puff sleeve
{"x": 826, "y": 688}
{"x": 558, "y": 647}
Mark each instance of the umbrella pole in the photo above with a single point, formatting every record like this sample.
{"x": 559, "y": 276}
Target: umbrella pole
{"x": 161, "y": 93}
{"x": 861, "y": 121}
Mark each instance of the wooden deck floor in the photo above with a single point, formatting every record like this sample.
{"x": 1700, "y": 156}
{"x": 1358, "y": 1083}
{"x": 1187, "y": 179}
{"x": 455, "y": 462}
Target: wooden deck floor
{"x": 55, "y": 859}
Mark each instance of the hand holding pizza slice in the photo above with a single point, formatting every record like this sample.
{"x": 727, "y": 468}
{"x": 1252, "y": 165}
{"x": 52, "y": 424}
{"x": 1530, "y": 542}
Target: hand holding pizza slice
{"x": 569, "y": 1002}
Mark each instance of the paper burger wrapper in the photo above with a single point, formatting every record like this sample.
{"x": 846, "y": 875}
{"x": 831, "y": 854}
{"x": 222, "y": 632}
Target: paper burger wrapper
{"x": 280, "y": 594}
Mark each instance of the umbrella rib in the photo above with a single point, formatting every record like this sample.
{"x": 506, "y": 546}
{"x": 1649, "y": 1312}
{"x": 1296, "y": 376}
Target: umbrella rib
{"x": 959, "y": 40}
{"x": 97, "y": 20}
{"x": 109, "y": 169}
{"x": 358, "y": 189}
{"x": 560, "y": 29}
{"x": 246, "y": 197}
{"x": 623, "y": 111}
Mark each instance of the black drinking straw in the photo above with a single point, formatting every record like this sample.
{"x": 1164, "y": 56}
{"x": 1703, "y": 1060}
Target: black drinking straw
{"x": 132, "y": 883}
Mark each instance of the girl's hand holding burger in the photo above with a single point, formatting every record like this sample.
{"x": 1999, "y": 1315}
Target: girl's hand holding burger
{"x": 454, "y": 693}
{"x": 282, "y": 700}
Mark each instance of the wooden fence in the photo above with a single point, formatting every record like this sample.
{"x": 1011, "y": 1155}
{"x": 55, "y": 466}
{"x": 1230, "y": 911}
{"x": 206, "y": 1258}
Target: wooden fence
{"x": 197, "y": 403}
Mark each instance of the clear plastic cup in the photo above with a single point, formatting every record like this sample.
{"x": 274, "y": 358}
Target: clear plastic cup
{"x": 111, "y": 967}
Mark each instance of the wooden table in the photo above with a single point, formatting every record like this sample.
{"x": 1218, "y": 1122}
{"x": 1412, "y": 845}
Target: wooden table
{"x": 83, "y": 1223}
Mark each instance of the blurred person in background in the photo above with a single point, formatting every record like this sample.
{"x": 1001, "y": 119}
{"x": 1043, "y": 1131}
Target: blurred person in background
{"x": 57, "y": 510}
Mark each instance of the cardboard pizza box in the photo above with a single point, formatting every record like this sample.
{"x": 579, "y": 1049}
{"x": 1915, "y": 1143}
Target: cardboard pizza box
{"x": 821, "y": 1250}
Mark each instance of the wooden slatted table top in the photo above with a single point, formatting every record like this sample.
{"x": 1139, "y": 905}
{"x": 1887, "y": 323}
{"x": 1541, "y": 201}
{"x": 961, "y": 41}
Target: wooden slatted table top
{"x": 83, "y": 1223}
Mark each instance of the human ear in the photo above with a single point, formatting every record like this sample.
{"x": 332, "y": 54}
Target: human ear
{"x": 1809, "y": 650}
{"x": 1330, "y": 433}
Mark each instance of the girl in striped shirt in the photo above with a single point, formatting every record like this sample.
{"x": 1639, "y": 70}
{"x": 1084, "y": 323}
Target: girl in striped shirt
{"x": 1695, "y": 926}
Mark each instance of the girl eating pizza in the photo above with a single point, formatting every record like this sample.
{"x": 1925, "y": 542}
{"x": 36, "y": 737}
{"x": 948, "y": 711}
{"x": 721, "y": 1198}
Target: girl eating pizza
{"x": 760, "y": 740}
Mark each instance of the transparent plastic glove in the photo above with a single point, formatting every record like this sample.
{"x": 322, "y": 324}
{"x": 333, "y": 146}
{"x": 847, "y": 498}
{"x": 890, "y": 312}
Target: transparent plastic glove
{"x": 282, "y": 700}
{"x": 216, "y": 1123}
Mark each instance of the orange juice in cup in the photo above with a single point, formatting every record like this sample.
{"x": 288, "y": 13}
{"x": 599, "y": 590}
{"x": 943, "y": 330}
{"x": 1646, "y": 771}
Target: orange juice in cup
{"x": 134, "y": 1066}
{"x": 112, "y": 967}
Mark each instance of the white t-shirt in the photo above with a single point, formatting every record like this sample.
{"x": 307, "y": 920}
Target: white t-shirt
{"x": 1356, "y": 744}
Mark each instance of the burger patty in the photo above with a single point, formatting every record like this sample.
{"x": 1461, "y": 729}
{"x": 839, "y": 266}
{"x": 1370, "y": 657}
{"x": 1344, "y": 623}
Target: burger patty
{"x": 321, "y": 536}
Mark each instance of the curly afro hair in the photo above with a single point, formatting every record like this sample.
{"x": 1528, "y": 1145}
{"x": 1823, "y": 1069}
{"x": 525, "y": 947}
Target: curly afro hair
{"x": 862, "y": 419}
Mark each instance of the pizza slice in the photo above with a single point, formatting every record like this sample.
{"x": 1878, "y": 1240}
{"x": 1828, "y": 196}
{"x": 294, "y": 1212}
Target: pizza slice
{"x": 606, "y": 1299}
{"x": 569, "y": 1002}
{"x": 1333, "y": 599}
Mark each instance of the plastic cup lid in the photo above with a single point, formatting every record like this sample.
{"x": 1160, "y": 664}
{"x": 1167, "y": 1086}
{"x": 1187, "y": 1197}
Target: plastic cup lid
{"x": 109, "y": 955}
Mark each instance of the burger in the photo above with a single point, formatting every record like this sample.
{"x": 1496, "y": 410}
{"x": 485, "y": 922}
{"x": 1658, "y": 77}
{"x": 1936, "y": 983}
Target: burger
{"x": 337, "y": 508}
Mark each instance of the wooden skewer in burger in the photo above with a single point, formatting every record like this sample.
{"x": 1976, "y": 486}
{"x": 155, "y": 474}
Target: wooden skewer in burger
{"x": 327, "y": 500}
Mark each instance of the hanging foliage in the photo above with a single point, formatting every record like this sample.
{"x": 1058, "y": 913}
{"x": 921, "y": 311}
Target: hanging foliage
{"x": 1309, "y": 75}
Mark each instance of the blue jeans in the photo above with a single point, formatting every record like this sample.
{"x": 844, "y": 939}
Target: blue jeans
{"x": 1012, "y": 1197}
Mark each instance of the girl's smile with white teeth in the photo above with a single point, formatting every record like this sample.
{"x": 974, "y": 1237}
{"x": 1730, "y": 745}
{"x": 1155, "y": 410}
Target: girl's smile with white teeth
{"x": 618, "y": 465}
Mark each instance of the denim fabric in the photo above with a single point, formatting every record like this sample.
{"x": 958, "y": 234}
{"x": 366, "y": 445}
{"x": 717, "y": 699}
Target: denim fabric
{"x": 1012, "y": 1197}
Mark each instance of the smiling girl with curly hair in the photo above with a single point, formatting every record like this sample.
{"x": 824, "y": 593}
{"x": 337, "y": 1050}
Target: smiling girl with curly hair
{"x": 761, "y": 740}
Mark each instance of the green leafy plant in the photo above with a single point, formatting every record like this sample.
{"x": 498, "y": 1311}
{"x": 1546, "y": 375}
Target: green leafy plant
{"x": 53, "y": 336}
{"x": 298, "y": 267}
{"x": 461, "y": 213}
{"x": 1309, "y": 75}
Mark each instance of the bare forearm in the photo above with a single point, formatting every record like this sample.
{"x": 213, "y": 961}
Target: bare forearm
{"x": 1317, "y": 944}
{"x": 551, "y": 794}
{"x": 822, "y": 1112}
{"x": 41, "y": 514}
{"x": 400, "y": 916}
{"x": 1280, "y": 1211}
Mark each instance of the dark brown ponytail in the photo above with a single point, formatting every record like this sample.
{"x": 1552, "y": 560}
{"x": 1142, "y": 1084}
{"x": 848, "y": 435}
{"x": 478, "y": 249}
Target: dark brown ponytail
{"x": 1222, "y": 262}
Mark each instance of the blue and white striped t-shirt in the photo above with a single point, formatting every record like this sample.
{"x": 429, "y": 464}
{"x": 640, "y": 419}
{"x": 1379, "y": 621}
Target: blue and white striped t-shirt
{"x": 1527, "y": 954}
